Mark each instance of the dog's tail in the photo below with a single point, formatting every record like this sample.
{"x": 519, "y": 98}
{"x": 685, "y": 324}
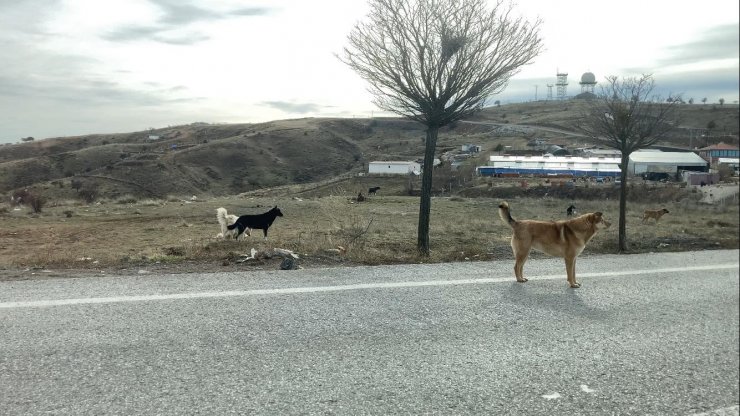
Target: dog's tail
{"x": 505, "y": 214}
{"x": 221, "y": 216}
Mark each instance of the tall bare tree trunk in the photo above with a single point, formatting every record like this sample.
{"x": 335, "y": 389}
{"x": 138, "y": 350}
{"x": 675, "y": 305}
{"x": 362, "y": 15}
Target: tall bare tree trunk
{"x": 436, "y": 62}
{"x": 623, "y": 204}
{"x": 425, "y": 205}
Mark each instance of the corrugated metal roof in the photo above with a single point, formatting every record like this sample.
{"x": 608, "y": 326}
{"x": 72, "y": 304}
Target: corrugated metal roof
{"x": 555, "y": 163}
{"x": 394, "y": 162}
{"x": 668, "y": 158}
{"x": 554, "y": 159}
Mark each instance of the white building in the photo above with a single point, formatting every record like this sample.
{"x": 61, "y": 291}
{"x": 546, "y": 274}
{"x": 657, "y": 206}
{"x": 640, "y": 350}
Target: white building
{"x": 546, "y": 165}
{"x": 644, "y": 161}
{"x": 393, "y": 167}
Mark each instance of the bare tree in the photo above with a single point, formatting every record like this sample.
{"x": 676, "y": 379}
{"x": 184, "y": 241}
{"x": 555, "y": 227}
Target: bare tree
{"x": 436, "y": 62}
{"x": 627, "y": 116}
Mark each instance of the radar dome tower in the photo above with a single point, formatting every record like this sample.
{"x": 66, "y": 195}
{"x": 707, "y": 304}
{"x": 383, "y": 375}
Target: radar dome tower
{"x": 562, "y": 84}
{"x": 588, "y": 81}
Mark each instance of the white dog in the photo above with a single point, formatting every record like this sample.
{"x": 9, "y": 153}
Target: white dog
{"x": 225, "y": 219}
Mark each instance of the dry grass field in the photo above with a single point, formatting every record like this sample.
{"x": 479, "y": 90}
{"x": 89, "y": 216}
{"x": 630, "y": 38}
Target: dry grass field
{"x": 129, "y": 235}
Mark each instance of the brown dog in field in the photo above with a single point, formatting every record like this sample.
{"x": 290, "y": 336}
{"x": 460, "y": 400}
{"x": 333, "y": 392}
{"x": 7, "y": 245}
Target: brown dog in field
{"x": 565, "y": 239}
{"x": 654, "y": 213}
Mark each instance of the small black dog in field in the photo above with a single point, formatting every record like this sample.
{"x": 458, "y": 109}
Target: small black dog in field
{"x": 260, "y": 221}
{"x": 372, "y": 191}
{"x": 571, "y": 210}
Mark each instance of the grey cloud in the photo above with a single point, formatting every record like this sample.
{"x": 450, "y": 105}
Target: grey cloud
{"x": 43, "y": 92}
{"x": 300, "y": 108}
{"x": 25, "y": 18}
{"x": 35, "y": 75}
{"x": 81, "y": 91}
{"x": 51, "y": 106}
{"x": 24, "y": 63}
{"x": 251, "y": 11}
{"x": 154, "y": 33}
{"x": 127, "y": 33}
{"x": 177, "y": 13}
{"x": 176, "y": 16}
{"x": 177, "y": 88}
{"x": 185, "y": 39}
{"x": 720, "y": 42}
{"x": 697, "y": 84}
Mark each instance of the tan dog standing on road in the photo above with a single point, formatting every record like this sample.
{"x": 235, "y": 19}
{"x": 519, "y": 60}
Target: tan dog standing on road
{"x": 654, "y": 213}
{"x": 565, "y": 239}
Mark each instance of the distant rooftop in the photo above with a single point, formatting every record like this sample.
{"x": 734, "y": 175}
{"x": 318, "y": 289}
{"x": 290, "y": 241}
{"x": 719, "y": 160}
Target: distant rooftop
{"x": 720, "y": 146}
{"x": 677, "y": 158}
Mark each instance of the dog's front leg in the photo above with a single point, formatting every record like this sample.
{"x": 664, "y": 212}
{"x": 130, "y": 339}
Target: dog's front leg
{"x": 570, "y": 269}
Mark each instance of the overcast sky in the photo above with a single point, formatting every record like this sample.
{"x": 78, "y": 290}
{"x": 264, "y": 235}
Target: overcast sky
{"x": 72, "y": 67}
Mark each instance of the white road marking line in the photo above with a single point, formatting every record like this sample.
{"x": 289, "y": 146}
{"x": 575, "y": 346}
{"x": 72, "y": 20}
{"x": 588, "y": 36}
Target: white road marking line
{"x": 339, "y": 288}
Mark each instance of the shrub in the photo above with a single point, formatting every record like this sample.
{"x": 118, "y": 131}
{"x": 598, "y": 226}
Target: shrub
{"x": 89, "y": 192}
{"x": 127, "y": 199}
{"x": 36, "y": 202}
{"x": 24, "y": 197}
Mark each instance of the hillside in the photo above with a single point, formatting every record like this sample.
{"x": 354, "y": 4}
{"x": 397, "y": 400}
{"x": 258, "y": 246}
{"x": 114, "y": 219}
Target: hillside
{"x": 236, "y": 158}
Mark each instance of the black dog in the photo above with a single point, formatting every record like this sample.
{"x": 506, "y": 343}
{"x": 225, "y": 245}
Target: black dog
{"x": 261, "y": 221}
{"x": 571, "y": 210}
{"x": 373, "y": 190}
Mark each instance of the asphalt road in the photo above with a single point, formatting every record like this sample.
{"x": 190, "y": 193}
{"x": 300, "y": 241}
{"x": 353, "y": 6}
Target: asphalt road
{"x": 646, "y": 334}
